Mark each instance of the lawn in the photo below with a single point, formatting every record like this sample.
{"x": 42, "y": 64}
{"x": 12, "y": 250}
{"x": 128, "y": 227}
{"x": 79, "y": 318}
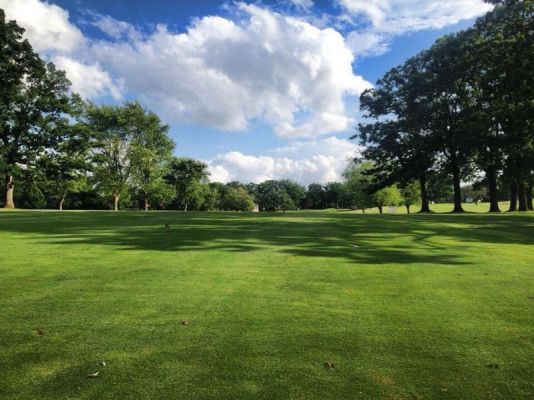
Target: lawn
{"x": 252, "y": 306}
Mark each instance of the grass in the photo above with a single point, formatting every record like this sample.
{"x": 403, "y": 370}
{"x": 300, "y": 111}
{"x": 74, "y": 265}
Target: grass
{"x": 406, "y": 307}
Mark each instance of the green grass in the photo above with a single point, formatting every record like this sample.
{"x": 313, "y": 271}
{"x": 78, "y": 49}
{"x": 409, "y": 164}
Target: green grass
{"x": 407, "y": 307}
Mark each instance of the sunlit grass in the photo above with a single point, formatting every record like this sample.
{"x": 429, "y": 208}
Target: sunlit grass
{"x": 406, "y": 307}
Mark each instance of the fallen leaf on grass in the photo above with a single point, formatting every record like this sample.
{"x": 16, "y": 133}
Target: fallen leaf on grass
{"x": 329, "y": 365}
{"x": 93, "y": 375}
{"x": 38, "y": 332}
{"x": 184, "y": 322}
{"x": 103, "y": 363}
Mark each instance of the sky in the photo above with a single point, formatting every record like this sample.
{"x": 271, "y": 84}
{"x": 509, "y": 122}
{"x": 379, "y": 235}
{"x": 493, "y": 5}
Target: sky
{"x": 257, "y": 89}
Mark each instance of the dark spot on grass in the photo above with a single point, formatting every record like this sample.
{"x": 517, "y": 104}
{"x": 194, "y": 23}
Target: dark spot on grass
{"x": 38, "y": 332}
{"x": 329, "y": 365}
{"x": 493, "y": 366}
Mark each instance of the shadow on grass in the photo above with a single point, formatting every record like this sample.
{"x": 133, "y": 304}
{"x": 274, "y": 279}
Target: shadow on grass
{"x": 372, "y": 239}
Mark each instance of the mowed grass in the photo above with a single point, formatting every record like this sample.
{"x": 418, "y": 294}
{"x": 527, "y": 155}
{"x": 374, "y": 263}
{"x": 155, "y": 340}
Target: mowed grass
{"x": 404, "y": 306}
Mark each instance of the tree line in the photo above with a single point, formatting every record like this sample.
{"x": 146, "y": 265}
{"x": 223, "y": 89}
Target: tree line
{"x": 463, "y": 109}
{"x": 59, "y": 151}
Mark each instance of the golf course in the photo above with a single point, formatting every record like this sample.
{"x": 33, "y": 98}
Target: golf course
{"x": 296, "y": 305}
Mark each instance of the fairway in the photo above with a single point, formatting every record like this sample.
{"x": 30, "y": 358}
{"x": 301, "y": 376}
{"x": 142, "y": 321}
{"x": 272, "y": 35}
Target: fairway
{"x": 298, "y": 305}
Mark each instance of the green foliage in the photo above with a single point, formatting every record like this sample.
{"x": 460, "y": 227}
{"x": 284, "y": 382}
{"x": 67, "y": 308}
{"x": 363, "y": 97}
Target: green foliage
{"x": 190, "y": 179}
{"x": 237, "y": 199}
{"x": 150, "y": 156}
{"x": 358, "y": 186}
{"x": 315, "y": 197}
{"x": 281, "y": 195}
{"x": 33, "y": 102}
{"x": 388, "y": 196}
{"x": 411, "y": 195}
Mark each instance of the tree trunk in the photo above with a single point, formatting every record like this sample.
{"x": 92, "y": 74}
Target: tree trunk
{"x": 456, "y": 182}
{"x": 425, "y": 207}
{"x": 61, "y": 202}
{"x": 530, "y": 203}
{"x": 513, "y": 197}
{"x": 408, "y": 208}
{"x": 522, "y": 197}
{"x": 116, "y": 198}
{"x": 380, "y": 209}
{"x": 146, "y": 205}
{"x": 492, "y": 189}
{"x": 10, "y": 188}
{"x": 363, "y": 210}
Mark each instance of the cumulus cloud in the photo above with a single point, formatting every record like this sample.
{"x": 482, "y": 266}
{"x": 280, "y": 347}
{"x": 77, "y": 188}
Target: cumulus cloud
{"x": 47, "y": 25}
{"x": 384, "y": 19}
{"x": 51, "y": 33}
{"x": 302, "y": 4}
{"x": 89, "y": 81}
{"x": 224, "y": 74}
{"x": 303, "y": 161}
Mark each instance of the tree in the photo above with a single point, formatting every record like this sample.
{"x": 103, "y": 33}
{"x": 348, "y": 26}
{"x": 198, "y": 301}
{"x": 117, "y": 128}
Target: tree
{"x": 33, "y": 102}
{"x": 186, "y": 175}
{"x": 358, "y": 185}
{"x": 333, "y": 194}
{"x": 65, "y": 165}
{"x": 388, "y": 196}
{"x": 411, "y": 195}
{"x": 315, "y": 197}
{"x": 237, "y": 199}
{"x": 396, "y": 131}
{"x": 112, "y": 150}
{"x": 151, "y": 152}
{"x": 281, "y": 195}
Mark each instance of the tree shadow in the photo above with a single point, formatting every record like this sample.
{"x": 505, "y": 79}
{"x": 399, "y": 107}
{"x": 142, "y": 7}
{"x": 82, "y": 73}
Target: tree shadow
{"x": 364, "y": 239}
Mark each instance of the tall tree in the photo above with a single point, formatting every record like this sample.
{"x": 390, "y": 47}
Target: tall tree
{"x": 150, "y": 154}
{"x": 186, "y": 175}
{"x": 33, "y": 102}
{"x": 112, "y": 148}
{"x": 66, "y": 165}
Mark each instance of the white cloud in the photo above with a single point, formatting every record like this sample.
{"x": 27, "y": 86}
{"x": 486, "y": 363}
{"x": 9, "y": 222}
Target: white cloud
{"x": 302, "y": 4}
{"x": 47, "y": 25}
{"x": 89, "y": 81}
{"x": 384, "y": 19}
{"x": 305, "y": 162}
{"x": 224, "y": 74}
{"x": 114, "y": 28}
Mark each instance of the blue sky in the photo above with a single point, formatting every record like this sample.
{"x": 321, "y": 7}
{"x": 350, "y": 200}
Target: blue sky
{"x": 258, "y": 90}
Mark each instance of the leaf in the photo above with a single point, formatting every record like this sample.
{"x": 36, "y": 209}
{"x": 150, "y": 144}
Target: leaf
{"x": 103, "y": 363}
{"x": 93, "y": 375}
{"x": 38, "y": 332}
{"x": 329, "y": 365}
{"x": 185, "y": 322}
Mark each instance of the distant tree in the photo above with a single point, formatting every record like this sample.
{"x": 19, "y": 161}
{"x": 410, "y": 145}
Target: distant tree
{"x": 237, "y": 199}
{"x": 411, "y": 195}
{"x": 295, "y": 191}
{"x": 315, "y": 197}
{"x": 282, "y": 195}
{"x": 358, "y": 184}
{"x": 151, "y": 152}
{"x": 333, "y": 194}
{"x": 65, "y": 166}
{"x": 187, "y": 176}
{"x": 34, "y": 101}
{"x": 112, "y": 149}
{"x": 388, "y": 196}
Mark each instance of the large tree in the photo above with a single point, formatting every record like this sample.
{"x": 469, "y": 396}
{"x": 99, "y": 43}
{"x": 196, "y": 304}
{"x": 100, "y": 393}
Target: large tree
{"x": 189, "y": 177}
{"x": 65, "y": 166}
{"x": 150, "y": 154}
{"x": 33, "y": 102}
